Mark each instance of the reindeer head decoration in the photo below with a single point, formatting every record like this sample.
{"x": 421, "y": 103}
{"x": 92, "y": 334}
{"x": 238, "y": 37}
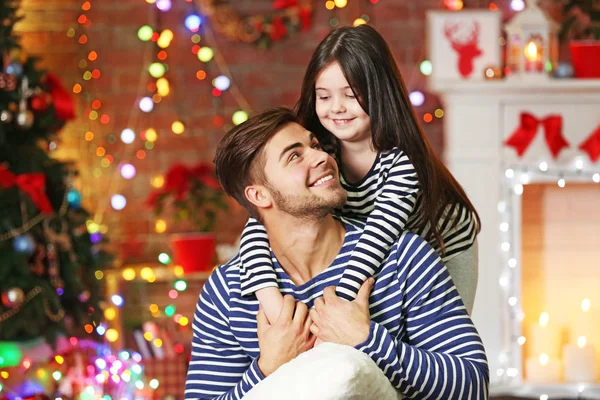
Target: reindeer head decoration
{"x": 466, "y": 49}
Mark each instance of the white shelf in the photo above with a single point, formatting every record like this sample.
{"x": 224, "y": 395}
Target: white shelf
{"x": 553, "y": 391}
{"x": 516, "y": 84}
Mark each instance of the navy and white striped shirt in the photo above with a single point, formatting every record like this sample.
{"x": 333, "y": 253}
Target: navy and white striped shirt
{"x": 420, "y": 336}
{"x": 389, "y": 198}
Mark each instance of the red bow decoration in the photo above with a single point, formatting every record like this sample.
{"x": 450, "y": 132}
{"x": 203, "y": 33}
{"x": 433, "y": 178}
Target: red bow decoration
{"x": 62, "y": 99}
{"x": 592, "y": 145}
{"x": 33, "y": 184}
{"x": 525, "y": 133}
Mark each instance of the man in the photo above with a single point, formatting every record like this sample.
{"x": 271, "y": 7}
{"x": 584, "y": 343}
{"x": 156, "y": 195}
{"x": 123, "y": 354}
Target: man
{"x": 410, "y": 319}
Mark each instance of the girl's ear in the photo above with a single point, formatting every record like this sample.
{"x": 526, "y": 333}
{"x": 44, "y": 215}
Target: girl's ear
{"x": 259, "y": 196}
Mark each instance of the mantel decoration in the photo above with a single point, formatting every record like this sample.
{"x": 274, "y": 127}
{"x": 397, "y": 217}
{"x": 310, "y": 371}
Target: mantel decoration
{"x": 532, "y": 40}
{"x": 191, "y": 194}
{"x": 552, "y": 125}
{"x": 580, "y": 32}
{"x": 287, "y": 18}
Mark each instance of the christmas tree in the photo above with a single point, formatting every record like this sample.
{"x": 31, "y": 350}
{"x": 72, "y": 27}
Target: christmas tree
{"x": 47, "y": 256}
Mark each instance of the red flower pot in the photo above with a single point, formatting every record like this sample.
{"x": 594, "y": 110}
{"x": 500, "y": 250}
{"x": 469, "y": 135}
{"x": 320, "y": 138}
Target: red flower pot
{"x": 195, "y": 252}
{"x": 585, "y": 56}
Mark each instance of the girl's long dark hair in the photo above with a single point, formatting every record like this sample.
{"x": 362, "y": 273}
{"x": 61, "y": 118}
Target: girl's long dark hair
{"x": 374, "y": 76}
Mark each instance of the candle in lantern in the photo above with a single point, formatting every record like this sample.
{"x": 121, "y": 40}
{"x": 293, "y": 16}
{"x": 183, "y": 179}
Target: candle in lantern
{"x": 542, "y": 369}
{"x": 533, "y": 62}
{"x": 580, "y": 362}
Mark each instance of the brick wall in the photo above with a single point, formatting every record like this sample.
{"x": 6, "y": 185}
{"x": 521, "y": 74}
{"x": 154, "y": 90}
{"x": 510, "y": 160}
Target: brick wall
{"x": 265, "y": 78}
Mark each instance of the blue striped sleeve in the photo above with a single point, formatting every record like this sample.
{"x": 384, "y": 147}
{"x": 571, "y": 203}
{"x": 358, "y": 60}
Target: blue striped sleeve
{"x": 441, "y": 355}
{"x": 391, "y": 211}
{"x": 219, "y": 368}
{"x": 256, "y": 271}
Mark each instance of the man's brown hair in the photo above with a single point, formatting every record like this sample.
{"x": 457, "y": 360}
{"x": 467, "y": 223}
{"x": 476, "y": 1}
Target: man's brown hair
{"x": 239, "y": 161}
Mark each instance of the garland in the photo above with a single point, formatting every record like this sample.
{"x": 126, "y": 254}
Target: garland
{"x": 288, "y": 17}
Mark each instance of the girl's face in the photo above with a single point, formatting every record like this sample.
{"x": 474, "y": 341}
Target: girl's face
{"x": 338, "y": 109}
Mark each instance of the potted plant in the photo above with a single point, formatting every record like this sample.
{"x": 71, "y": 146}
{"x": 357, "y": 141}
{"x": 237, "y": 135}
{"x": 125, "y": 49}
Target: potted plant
{"x": 191, "y": 194}
{"x": 580, "y": 30}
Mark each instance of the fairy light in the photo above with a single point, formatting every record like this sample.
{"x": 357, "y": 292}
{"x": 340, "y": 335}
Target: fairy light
{"x": 164, "y": 258}
{"x": 128, "y": 274}
{"x": 178, "y": 127}
{"x": 160, "y": 226}
{"x": 518, "y": 189}
{"x": 517, "y": 5}
{"x": 205, "y": 54}
{"x": 359, "y": 21}
{"x": 178, "y": 271}
{"x": 110, "y": 313}
{"x": 146, "y": 273}
{"x": 426, "y": 67}
{"x": 417, "y": 98}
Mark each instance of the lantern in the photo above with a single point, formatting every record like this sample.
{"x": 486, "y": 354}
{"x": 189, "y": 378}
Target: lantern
{"x": 532, "y": 44}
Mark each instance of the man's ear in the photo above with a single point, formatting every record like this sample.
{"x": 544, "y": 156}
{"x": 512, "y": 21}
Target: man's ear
{"x": 258, "y": 195}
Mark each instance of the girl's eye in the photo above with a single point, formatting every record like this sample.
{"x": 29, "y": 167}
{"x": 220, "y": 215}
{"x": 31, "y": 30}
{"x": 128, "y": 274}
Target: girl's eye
{"x": 350, "y": 96}
{"x": 323, "y": 97}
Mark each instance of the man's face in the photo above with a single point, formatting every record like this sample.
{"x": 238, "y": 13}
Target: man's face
{"x": 301, "y": 178}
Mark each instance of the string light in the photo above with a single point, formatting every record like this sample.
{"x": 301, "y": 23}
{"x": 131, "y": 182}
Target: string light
{"x": 517, "y": 5}
{"x": 417, "y": 98}
{"x": 516, "y": 177}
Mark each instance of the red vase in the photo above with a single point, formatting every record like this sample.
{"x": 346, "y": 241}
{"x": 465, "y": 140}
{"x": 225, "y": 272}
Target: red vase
{"x": 195, "y": 252}
{"x": 585, "y": 56}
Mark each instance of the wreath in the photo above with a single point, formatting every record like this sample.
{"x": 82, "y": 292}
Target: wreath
{"x": 287, "y": 18}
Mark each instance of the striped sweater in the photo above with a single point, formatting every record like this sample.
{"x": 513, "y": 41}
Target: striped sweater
{"x": 420, "y": 335}
{"x": 388, "y": 198}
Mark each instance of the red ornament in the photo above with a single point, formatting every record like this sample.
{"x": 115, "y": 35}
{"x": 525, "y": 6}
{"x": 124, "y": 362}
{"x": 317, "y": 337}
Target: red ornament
{"x": 39, "y": 103}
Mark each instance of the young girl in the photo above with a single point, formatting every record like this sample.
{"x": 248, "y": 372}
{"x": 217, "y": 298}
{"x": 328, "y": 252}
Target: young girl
{"x": 354, "y": 100}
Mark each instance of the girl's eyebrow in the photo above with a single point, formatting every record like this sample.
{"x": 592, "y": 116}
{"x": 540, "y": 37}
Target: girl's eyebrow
{"x": 320, "y": 88}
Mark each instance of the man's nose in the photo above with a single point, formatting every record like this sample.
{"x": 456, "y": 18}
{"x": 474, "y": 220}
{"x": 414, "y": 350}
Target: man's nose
{"x": 318, "y": 157}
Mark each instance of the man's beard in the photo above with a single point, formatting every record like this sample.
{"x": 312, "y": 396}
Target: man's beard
{"x": 309, "y": 207}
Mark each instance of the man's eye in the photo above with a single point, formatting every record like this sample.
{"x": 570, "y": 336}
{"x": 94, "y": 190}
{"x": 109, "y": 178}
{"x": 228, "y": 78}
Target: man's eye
{"x": 293, "y": 156}
{"x": 317, "y": 146}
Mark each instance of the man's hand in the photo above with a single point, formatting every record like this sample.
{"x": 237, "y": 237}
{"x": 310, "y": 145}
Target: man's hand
{"x": 285, "y": 339}
{"x": 339, "y": 321}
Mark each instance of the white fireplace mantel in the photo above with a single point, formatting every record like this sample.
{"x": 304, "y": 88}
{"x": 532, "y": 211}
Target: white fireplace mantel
{"x": 478, "y": 118}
